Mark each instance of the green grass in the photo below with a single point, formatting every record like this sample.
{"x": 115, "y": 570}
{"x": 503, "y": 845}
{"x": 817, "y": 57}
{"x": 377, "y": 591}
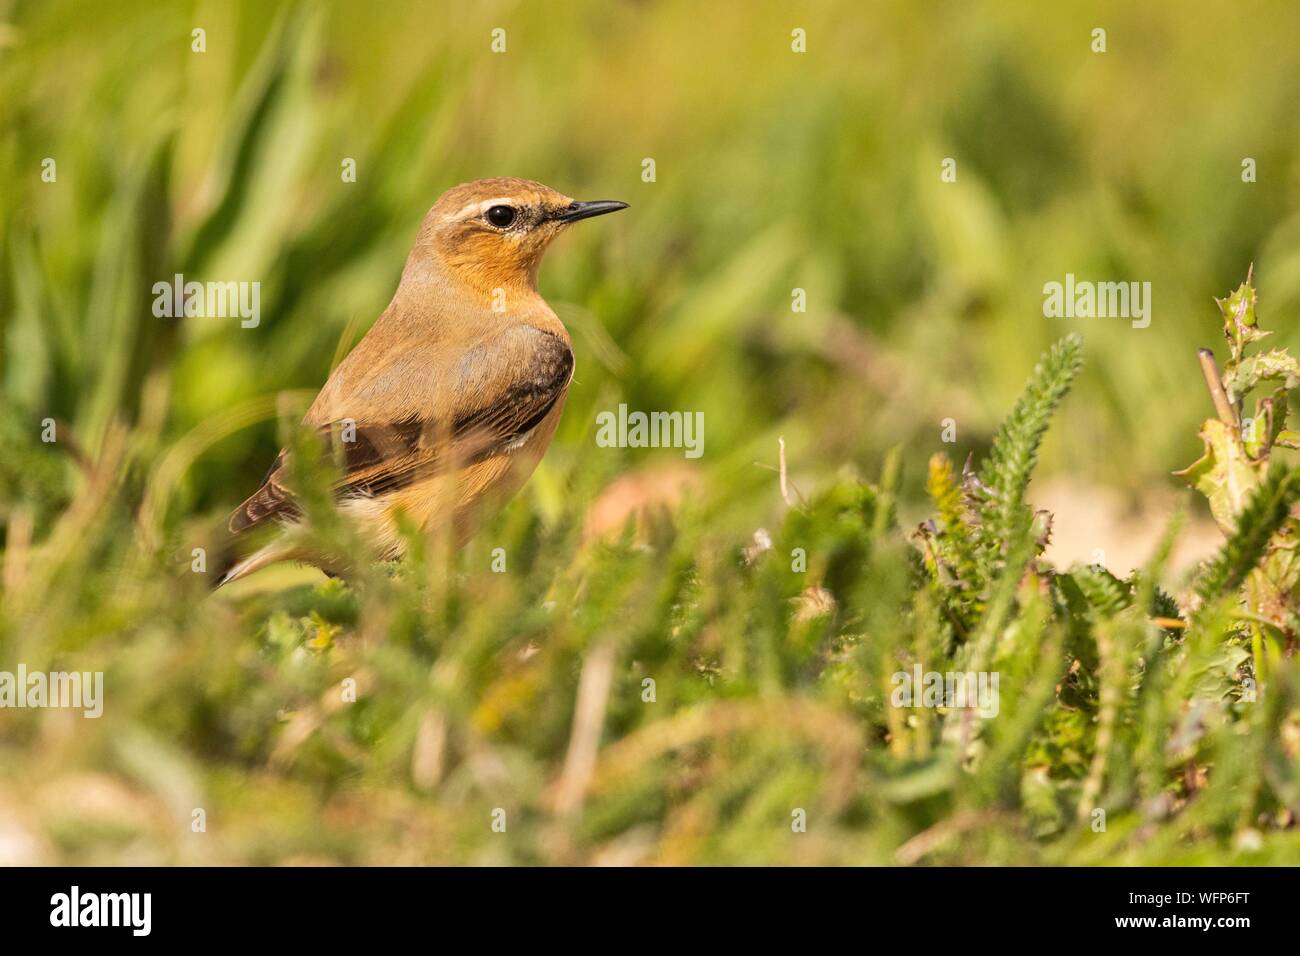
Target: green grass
{"x": 525, "y": 691}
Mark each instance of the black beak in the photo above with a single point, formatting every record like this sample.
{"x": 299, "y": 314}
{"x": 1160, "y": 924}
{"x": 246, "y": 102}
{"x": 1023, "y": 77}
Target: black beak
{"x": 585, "y": 210}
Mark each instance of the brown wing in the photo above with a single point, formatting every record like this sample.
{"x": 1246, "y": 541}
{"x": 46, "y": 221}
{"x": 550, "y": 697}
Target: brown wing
{"x": 384, "y": 457}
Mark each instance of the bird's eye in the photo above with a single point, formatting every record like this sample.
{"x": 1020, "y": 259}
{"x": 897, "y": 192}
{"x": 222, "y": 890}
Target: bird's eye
{"x": 501, "y": 216}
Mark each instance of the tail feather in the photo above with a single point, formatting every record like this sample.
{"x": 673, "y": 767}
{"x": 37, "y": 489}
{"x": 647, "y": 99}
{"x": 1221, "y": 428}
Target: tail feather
{"x": 270, "y": 554}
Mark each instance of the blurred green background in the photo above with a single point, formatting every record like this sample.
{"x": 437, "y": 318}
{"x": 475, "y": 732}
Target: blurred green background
{"x": 775, "y": 170}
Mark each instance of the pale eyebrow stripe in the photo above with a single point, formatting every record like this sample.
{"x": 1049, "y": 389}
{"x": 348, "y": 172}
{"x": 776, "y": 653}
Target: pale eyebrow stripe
{"x": 480, "y": 205}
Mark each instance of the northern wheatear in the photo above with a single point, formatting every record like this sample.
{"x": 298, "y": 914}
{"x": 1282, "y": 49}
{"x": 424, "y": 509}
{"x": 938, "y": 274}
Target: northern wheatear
{"x": 450, "y": 400}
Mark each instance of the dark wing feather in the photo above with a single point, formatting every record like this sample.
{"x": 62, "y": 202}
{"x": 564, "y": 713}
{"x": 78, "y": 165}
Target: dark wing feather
{"x": 268, "y": 501}
{"x": 385, "y": 457}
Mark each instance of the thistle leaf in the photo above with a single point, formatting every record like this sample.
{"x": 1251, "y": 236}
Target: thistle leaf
{"x": 1224, "y": 474}
{"x": 1276, "y": 365}
{"x": 1240, "y": 321}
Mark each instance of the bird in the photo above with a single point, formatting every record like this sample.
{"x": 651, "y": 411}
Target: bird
{"x": 444, "y": 408}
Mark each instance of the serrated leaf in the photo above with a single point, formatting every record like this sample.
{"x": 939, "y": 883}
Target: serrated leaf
{"x": 1106, "y": 594}
{"x": 1006, "y": 472}
{"x": 1276, "y": 365}
{"x": 1224, "y": 474}
{"x": 1240, "y": 322}
{"x": 1238, "y": 308}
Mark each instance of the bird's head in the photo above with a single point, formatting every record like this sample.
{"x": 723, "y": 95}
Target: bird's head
{"x": 492, "y": 232}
